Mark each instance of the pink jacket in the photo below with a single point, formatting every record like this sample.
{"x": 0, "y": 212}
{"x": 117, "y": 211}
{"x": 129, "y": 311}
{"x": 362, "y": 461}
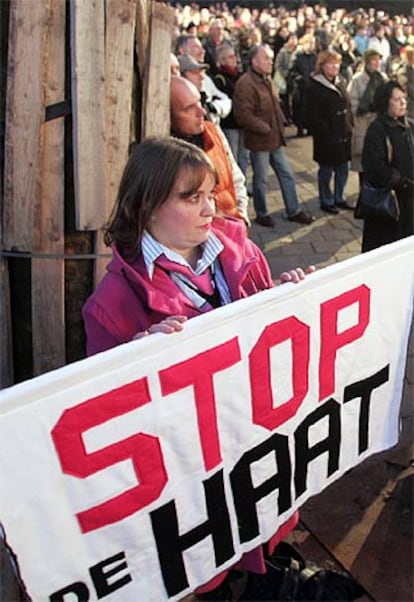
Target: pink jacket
{"x": 127, "y": 301}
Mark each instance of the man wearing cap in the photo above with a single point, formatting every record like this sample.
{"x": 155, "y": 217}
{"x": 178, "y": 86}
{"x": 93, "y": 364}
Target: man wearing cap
{"x": 219, "y": 103}
{"x": 192, "y": 69}
{"x": 195, "y": 72}
{"x": 361, "y": 90}
{"x": 188, "y": 123}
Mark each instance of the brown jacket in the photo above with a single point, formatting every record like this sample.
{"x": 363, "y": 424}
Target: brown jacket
{"x": 257, "y": 110}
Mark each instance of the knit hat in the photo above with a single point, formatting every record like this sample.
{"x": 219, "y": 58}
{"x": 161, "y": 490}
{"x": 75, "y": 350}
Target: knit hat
{"x": 369, "y": 54}
{"x": 188, "y": 63}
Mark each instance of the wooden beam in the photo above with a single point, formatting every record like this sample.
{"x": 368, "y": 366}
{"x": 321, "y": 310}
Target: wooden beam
{"x": 6, "y": 363}
{"x": 142, "y": 32}
{"x": 156, "y": 90}
{"x": 6, "y": 358}
{"x": 119, "y": 62}
{"x": 24, "y": 115}
{"x": 48, "y": 282}
{"x": 88, "y": 111}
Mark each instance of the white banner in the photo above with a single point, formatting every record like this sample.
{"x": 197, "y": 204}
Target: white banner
{"x": 142, "y": 472}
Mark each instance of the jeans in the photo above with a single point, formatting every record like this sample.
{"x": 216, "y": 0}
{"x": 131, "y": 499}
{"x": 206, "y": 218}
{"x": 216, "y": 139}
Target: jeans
{"x": 235, "y": 139}
{"x": 326, "y": 198}
{"x": 278, "y": 161}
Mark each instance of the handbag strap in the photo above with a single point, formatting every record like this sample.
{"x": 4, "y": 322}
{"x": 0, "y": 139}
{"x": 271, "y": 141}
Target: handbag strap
{"x": 389, "y": 148}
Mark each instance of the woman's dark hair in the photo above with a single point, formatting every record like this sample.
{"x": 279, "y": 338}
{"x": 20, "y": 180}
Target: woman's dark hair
{"x": 383, "y": 94}
{"x": 147, "y": 181}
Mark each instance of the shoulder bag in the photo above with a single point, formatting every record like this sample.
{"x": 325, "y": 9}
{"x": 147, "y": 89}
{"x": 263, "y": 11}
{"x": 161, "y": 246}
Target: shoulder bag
{"x": 377, "y": 203}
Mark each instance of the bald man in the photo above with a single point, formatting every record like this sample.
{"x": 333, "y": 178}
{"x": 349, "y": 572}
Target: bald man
{"x": 188, "y": 123}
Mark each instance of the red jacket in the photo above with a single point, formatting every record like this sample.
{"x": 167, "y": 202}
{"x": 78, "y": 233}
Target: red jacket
{"x": 127, "y": 301}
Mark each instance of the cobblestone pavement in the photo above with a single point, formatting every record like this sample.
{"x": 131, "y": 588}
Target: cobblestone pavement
{"x": 364, "y": 522}
{"x": 330, "y": 238}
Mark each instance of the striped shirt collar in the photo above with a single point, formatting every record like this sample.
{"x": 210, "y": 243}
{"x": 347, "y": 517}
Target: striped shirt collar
{"x": 152, "y": 249}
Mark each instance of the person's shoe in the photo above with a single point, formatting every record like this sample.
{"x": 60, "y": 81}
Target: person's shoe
{"x": 345, "y": 205}
{"x": 330, "y": 209}
{"x": 303, "y": 217}
{"x": 265, "y": 220}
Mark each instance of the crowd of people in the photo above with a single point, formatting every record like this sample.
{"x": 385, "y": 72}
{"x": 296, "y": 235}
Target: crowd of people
{"x": 316, "y": 70}
{"x": 179, "y": 227}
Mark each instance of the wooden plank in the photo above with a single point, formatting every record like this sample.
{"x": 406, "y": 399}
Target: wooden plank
{"x": 6, "y": 363}
{"x": 119, "y": 59}
{"x": 88, "y": 111}
{"x": 6, "y": 358}
{"x": 142, "y": 33}
{"x": 48, "y": 289}
{"x": 156, "y": 96}
{"x": 24, "y": 114}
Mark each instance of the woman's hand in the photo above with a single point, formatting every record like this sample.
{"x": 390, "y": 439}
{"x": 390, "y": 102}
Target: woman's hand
{"x": 296, "y": 275}
{"x": 167, "y": 326}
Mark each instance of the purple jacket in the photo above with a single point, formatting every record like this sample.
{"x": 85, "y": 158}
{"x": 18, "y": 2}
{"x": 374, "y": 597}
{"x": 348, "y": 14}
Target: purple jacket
{"x": 127, "y": 301}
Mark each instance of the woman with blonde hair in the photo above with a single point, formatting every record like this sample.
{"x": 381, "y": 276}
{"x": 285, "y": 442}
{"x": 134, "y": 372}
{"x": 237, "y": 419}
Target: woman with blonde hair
{"x": 330, "y": 121}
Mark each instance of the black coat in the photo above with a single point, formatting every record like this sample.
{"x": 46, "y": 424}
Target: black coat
{"x": 330, "y": 121}
{"x": 397, "y": 174}
{"x": 226, "y": 82}
{"x": 298, "y": 82}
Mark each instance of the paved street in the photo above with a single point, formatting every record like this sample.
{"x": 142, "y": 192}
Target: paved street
{"x": 329, "y": 239}
{"x": 363, "y": 522}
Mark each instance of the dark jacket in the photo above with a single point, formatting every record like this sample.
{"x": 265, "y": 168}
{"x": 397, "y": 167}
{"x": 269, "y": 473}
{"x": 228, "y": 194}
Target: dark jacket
{"x": 390, "y": 165}
{"x": 298, "y": 81}
{"x": 226, "y": 82}
{"x": 330, "y": 121}
{"x": 257, "y": 110}
{"x": 303, "y": 65}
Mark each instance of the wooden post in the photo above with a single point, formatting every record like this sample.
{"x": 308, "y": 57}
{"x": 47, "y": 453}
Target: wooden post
{"x": 88, "y": 101}
{"x": 24, "y": 115}
{"x": 48, "y": 291}
{"x": 6, "y": 364}
{"x": 142, "y": 33}
{"x": 23, "y": 119}
{"x": 119, "y": 62}
{"x": 156, "y": 91}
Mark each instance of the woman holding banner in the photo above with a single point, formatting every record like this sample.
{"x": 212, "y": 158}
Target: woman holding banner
{"x": 173, "y": 259}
